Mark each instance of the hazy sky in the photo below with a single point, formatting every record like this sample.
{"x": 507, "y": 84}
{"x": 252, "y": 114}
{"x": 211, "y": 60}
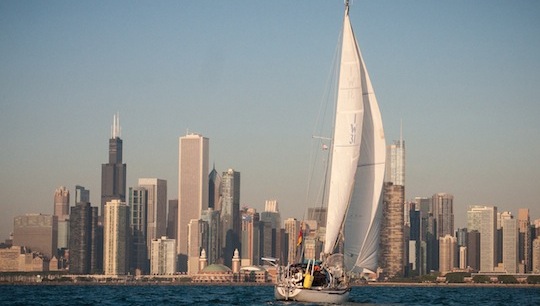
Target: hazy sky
{"x": 464, "y": 76}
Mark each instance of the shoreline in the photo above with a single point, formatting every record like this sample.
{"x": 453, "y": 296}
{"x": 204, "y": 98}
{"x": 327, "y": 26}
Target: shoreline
{"x": 372, "y": 284}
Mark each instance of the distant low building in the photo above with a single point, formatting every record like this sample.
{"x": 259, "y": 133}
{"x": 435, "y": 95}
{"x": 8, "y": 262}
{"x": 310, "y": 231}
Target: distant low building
{"x": 216, "y": 273}
{"x": 20, "y": 259}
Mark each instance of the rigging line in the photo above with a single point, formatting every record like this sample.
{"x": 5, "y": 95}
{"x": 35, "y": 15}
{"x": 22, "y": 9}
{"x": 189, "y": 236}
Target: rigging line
{"x": 367, "y": 165}
{"x": 319, "y": 125}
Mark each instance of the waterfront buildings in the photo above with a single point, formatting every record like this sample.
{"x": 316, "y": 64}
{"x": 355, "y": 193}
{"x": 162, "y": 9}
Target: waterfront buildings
{"x": 192, "y": 188}
{"x": 115, "y": 238}
{"x": 113, "y": 173}
{"x": 163, "y": 256}
{"x": 38, "y": 232}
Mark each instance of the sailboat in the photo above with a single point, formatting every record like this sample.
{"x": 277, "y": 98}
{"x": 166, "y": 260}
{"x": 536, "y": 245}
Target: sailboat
{"x": 355, "y": 185}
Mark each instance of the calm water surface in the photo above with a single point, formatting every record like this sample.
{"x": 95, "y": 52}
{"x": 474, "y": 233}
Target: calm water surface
{"x": 256, "y": 295}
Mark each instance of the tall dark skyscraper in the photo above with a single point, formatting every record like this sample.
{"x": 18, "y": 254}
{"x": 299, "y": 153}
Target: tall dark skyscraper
{"x": 214, "y": 187}
{"x": 113, "y": 174}
{"x": 83, "y": 242}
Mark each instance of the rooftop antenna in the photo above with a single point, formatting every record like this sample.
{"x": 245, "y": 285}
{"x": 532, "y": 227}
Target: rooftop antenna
{"x": 401, "y": 132}
{"x": 116, "y": 130}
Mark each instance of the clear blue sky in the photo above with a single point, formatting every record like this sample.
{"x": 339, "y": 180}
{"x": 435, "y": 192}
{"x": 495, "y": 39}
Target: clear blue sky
{"x": 464, "y": 76}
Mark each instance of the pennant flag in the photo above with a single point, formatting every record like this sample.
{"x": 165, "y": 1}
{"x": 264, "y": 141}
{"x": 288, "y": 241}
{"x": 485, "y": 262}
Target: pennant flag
{"x": 299, "y": 239}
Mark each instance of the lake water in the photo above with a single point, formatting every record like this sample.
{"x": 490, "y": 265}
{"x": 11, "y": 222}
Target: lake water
{"x": 256, "y": 295}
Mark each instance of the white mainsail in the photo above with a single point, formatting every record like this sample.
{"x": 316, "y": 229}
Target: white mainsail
{"x": 347, "y": 135}
{"x": 362, "y": 223}
{"x": 359, "y": 148}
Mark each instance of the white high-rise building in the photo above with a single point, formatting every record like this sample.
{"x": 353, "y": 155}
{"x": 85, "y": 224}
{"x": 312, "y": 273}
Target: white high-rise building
{"x": 163, "y": 256}
{"x": 484, "y": 220}
{"x": 115, "y": 237}
{"x": 509, "y": 242}
{"x": 192, "y": 188}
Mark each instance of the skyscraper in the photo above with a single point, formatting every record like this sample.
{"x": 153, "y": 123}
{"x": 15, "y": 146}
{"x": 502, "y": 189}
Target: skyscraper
{"x": 156, "y": 215}
{"x": 172, "y": 219}
{"x": 61, "y": 203}
{"x": 115, "y": 238}
{"x": 211, "y": 217}
{"x": 443, "y": 211}
{"x": 473, "y": 250}
{"x": 163, "y": 258}
{"x": 509, "y": 242}
{"x": 113, "y": 173}
{"x": 138, "y": 200}
{"x": 197, "y": 233}
{"x": 82, "y": 239}
{"x": 271, "y": 215}
{"x": 392, "y": 243}
{"x": 81, "y": 194}
{"x": 292, "y": 229}
{"x": 525, "y": 239}
{"x": 536, "y": 255}
{"x": 38, "y": 232}
{"x": 192, "y": 188}
{"x": 447, "y": 253}
{"x": 230, "y": 214}
{"x": 484, "y": 220}
{"x": 318, "y": 214}
{"x": 250, "y": 237}
{"x": 61, "y": 211}
{"x": 214, "y": 189}
{"x": 395, "y": 161}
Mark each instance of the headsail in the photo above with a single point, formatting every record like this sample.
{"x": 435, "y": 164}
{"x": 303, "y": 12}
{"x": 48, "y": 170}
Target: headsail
{"x": 347, "y": 135}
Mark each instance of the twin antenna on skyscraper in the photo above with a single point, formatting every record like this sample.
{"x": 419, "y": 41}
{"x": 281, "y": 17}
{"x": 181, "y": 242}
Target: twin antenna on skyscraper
{"x": 115, "y": 129}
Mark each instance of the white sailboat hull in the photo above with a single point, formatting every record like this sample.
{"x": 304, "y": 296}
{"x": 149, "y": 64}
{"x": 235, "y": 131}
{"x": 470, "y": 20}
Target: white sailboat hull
{"x": 312, "y": 295}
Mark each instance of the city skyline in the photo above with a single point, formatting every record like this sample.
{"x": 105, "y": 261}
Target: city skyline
{"x": 249, "y": 76}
